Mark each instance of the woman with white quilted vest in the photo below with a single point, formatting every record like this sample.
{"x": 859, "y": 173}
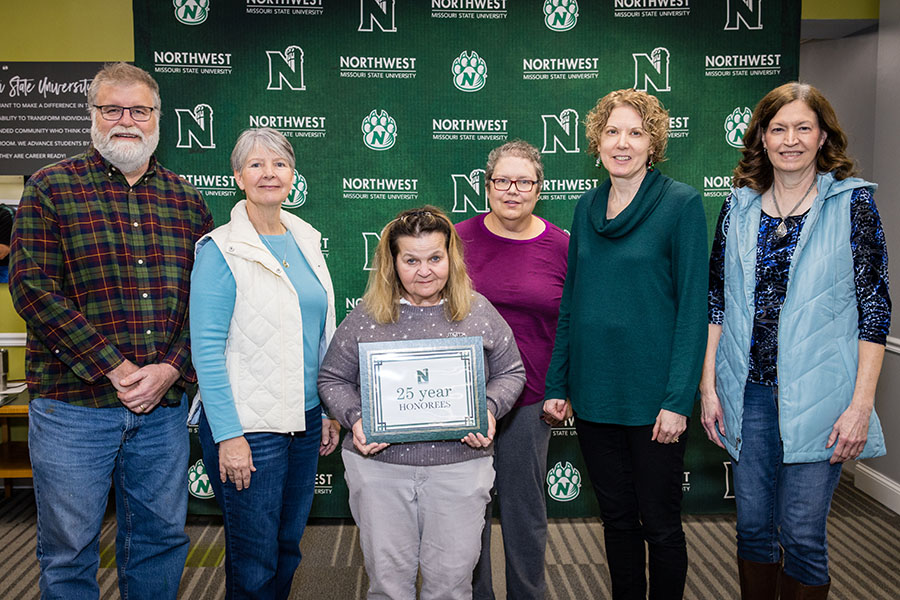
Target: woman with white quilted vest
{"x": 799, "y": 311}
{"x": 262, "y": 314}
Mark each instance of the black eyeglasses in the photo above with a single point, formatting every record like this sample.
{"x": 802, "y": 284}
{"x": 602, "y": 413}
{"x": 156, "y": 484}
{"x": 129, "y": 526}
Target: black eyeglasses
{"x": 502, "y": 184}
{"x": 113, "y": 112}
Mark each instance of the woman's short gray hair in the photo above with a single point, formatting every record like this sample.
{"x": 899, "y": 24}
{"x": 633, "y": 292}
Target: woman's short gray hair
{"x": 519, "y": 149}
{"x": 264, "y": 137}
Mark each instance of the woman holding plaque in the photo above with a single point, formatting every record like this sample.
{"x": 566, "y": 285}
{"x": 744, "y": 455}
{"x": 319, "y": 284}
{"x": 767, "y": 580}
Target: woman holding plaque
{"x": 799, "y": 312}
{"x": 262, "y": 313}
{"x": 518, "y": 261}
{"x": 630, "y": 340}
{"x": 419, "y": 505}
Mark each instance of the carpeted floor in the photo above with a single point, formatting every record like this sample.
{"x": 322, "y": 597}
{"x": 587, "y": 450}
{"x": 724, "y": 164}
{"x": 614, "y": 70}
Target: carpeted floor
{"x": 864, "y": 546}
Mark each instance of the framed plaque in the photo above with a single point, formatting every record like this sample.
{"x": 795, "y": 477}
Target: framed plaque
{"x": 417, "y": 390}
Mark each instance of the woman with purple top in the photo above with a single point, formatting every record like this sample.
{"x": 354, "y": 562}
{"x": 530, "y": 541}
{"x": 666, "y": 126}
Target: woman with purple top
{"x": 419, "y": 505}
{"x": 517, "y": 260}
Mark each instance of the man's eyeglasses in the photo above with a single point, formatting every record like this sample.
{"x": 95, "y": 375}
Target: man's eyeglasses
{"x": 112, "y": 112}
{"x": 502, "y": 184}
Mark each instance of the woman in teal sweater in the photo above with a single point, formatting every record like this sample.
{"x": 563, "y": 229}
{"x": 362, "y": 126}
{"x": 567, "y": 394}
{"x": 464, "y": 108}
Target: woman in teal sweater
{"x": 630, "y": 341}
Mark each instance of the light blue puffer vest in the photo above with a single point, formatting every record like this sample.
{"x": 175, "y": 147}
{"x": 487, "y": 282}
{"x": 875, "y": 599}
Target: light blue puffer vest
{"x": 818, "y": 331}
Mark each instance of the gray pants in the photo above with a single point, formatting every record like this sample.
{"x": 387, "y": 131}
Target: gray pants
{"x": 413, "y": 519}
{"x": 520, "y": 459}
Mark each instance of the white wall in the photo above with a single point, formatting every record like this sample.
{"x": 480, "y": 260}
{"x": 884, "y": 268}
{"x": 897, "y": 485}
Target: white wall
{"x": 844, "y": 70}
{"x": 860, "y": 75}
{"x": 881, "y": 476}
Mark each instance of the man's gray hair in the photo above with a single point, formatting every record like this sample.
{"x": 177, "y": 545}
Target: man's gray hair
{"x": 264, "y": 137}
{"x": 121, "y": 73}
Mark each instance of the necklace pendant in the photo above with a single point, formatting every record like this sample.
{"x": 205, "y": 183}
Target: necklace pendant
{"x": 285, "y": 263}
{"x": 781, "y": 230}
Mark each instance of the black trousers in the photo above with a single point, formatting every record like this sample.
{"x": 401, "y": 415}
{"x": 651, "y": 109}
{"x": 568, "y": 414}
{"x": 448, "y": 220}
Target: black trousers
{"x": 638, "y": 486}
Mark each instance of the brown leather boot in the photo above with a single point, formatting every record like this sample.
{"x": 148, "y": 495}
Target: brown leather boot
{"x": 791, "y": 589}
{"x": 759, "y": 581}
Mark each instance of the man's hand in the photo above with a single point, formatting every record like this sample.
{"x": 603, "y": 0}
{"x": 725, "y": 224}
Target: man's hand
{"x": 145, "y": 387}
{"x": 119, "y": 373}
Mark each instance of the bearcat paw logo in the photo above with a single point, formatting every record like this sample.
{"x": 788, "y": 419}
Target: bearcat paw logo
{"x": 379, "y": 130}
{"x": 198, "y": 481}
{"x": 191, "y": 12}
{"x": 469, "y": 72}
{"x": 563, "y": 482}
{"x": 297, "y": 196}
{"x": 735, "y": 126}
{"x": 560, "y": 15}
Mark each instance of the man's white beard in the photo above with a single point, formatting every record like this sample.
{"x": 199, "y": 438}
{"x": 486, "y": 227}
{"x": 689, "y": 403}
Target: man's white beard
{"x": 127, "y": 156}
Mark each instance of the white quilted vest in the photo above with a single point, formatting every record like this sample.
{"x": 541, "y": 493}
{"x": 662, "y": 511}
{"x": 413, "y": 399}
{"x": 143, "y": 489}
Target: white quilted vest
{"x": 264, "y": 351}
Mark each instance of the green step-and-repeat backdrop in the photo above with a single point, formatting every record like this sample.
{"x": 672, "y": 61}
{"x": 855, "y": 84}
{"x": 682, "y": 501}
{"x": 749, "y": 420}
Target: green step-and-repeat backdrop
{"x": 391, "y": 104}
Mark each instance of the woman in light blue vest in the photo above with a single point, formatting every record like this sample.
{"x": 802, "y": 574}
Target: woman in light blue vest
{"x": 799, "y": 311}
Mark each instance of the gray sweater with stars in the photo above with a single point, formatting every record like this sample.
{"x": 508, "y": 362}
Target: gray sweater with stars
{"x": 339, "y": 374}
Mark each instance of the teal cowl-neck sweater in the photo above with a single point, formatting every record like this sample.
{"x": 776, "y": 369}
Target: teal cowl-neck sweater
{"x": 632, "y": 323}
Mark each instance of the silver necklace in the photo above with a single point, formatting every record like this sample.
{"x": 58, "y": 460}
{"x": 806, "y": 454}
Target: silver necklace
{"x": 283, "y": 251}
{"x": 782, "y": 229}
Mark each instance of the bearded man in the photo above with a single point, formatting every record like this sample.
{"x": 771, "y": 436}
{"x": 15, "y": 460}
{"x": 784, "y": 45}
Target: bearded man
{"x": 102, "y": 250}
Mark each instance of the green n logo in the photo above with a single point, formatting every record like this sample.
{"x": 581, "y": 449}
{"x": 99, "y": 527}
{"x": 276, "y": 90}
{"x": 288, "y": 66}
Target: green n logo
{"x": 748, "y": 12}
{"x": 195, "y": 127}
{"x": 376, "y": 12}
{"x": 286, "y": 69}
{"x": 468, "y": 192}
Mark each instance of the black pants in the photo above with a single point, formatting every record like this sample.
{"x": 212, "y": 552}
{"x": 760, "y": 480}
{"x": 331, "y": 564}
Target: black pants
{"x": 638, "y": 486}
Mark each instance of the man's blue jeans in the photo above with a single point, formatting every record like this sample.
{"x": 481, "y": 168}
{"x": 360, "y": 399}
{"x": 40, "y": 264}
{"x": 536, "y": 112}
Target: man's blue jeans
{"x": 75, "y": 452}
{"x": 264, "y": 522}
{"x": 777, "y": 503}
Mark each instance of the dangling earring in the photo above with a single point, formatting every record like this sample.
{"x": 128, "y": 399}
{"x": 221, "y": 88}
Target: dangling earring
{"x": 598, "y": 163}
{"x": 650, "y": 163}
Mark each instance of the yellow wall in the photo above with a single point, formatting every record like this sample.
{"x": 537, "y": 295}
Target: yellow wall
{"x": 840, "y": 9}
{"x": 60, "y": 31}
{"x": 67, "y": 30}
{"x": 11, "y": 323}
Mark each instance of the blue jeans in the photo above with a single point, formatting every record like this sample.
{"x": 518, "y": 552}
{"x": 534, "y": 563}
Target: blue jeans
{"x": 780, "y": 504}
{"x": 75, "y": 452}
{"x": 264, "y": 522}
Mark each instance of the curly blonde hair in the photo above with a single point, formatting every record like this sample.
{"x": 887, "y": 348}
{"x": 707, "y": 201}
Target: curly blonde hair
{"x": 655, "y": 120}
{"x": 754, "y": 169}
{"x": 384, "y": 289}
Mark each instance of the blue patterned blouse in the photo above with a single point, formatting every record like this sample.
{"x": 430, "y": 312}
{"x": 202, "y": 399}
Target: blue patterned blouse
{"x": 773, "y": 258}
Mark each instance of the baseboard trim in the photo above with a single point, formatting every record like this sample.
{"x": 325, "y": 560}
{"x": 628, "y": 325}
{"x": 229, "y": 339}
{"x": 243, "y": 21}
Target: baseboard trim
{"x": 879, "y": 486}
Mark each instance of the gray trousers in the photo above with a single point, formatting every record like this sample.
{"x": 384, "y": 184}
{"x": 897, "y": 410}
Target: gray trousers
{"x": 520, "y": 459}
{"x": 414, "y": 519}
